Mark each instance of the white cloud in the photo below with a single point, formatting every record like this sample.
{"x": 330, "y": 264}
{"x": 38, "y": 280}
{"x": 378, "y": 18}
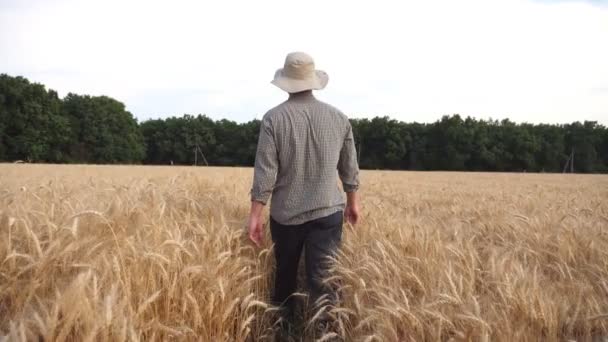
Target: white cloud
{"x": 529, "y": 61}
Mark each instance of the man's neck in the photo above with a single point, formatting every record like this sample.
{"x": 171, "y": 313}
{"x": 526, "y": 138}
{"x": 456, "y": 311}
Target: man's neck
{"x": 307, "y": 94}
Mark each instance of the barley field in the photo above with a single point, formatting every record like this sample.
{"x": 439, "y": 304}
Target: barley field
{"x": 114, "y": 253}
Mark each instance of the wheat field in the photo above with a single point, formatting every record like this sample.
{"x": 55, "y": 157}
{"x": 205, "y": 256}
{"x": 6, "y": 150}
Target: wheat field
{"x": 114, "y": 253}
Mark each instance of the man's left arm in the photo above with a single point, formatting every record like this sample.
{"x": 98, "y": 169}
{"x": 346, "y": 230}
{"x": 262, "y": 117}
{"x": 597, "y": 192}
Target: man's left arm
{"x": 264, "y": 178}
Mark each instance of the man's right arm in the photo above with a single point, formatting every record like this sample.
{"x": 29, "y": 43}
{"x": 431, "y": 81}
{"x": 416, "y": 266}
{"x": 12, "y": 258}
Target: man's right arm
{"x": 266, "y": 164}
{"x": 264, "y": 177}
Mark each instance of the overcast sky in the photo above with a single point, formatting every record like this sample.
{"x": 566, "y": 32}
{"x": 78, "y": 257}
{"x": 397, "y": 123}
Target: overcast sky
{"x": 533, "y": 61}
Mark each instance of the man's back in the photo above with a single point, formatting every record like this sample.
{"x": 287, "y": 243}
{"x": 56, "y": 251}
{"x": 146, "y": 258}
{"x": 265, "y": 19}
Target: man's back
{"x": 309, "y": 140}
{"x": 302, "y": 143}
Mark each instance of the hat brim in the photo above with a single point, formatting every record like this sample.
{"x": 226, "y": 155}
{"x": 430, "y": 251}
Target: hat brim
{"x": 292, "y": 85}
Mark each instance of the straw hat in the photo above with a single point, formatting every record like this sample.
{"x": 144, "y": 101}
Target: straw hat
{"x": 299, "y": 74}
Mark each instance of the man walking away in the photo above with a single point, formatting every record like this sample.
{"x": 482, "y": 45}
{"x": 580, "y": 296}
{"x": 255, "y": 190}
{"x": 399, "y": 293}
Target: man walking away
{"x": 302, "y": 143}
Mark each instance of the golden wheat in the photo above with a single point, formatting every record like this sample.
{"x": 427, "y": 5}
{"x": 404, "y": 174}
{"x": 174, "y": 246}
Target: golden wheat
{"x": 116, "y": 253}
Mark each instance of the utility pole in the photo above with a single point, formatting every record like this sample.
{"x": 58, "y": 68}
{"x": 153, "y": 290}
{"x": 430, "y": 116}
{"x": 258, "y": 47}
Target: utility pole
{"x": 569, "y": 161}
{"x": 202, "y": 155}
{"x": 572, "y": 162}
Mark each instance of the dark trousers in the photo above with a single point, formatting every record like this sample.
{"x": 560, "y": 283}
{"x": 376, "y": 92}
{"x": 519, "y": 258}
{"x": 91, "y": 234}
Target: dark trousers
{"x": 320, "y": 239}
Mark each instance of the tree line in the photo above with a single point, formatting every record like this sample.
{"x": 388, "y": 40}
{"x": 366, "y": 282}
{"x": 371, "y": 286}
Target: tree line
{"x": 38, "y": 126}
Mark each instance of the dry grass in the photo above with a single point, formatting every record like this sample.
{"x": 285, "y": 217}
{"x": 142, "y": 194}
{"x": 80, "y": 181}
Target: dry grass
{"x": 157, "y": 253}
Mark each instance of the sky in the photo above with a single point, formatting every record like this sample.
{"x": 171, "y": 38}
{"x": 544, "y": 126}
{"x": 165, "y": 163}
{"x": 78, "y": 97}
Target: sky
{"x": 525, "y": 60}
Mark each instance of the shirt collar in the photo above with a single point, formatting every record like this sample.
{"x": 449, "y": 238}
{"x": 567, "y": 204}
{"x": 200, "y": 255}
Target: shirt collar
{"x": 305, "y": 95}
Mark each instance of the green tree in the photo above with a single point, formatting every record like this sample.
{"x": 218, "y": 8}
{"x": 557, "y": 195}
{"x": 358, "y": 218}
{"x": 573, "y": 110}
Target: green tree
{"x": 583, "y": 139}
{"x": 550, "y": 156}
{"x": 603, "y": 149}
{"x": 157, "y": 145}
{"x": 32, "y": 126}
{"x": 102, "y": 130}
{"x": 382, "y": 142}
{"x": 450, "y": 144}
{"x": 483, "y": 150}
{"x": 36, "y": 125}
{"x": 175, "y": 139}
{"x": 236, "y": 143}
{"x": 417, "y": 146}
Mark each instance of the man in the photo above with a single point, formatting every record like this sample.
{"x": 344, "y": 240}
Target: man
{"x": 302, "y": 143}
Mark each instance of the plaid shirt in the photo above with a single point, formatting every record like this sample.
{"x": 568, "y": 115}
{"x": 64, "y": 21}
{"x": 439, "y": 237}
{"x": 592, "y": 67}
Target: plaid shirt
{"x": 302, "y": 142}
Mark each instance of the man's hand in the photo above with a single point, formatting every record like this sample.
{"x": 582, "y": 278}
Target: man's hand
{"x": 256, "y": 230}
{"x": 351, "y": 212}
{"x": 255, "y": 224}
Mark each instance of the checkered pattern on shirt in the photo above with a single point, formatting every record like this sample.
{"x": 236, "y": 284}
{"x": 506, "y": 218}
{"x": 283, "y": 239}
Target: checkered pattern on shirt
{"x": 302, "y": 143}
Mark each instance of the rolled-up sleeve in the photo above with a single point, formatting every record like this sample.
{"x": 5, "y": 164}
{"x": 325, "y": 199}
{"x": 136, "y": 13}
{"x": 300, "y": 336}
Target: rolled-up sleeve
{"x": 348, "y": 168}
{"x": 266, "y": 164}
